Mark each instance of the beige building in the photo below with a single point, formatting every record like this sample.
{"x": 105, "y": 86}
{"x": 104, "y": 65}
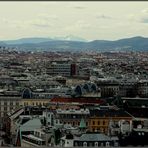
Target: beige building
{"x": 8, "y": 104}
{"x": 34, "y": 102}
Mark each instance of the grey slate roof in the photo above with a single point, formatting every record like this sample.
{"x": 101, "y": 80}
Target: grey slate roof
{"x": 31, "y": 125}
{"x": 94, "y": 137}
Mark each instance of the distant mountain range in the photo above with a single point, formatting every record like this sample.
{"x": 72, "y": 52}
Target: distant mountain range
{"x": 71, "y": 43}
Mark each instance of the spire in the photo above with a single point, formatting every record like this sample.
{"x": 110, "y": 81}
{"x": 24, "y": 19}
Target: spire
{"x": 18, "y": 138}
{"x": 82, "y": 124}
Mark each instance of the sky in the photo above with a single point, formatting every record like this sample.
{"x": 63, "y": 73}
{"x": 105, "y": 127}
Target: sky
{"x": 88, "y": 20}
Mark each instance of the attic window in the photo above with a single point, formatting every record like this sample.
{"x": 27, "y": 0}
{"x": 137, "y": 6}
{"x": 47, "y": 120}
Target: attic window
{"x": 96, "y": 144}
{"x": 107, "y": 143}
{"x": 85, "y": 144}
{"x": 139, "y": 134}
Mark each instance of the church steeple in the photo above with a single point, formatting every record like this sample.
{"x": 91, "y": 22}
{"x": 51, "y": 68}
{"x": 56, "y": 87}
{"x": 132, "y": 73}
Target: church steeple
{"x": 82, "y": 125}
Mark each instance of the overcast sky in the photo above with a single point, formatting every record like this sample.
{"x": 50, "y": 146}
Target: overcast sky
{"x": 89, "y": 20}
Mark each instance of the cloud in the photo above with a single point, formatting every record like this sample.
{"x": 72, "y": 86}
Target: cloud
{"x": 74, "y": 5}
{"x": 132, "y": 17}
{"x": 79, "y": 7}
{"x": 103, "y": 16}
{"x": 42, "y": 23}
{"x": 140, "y": 18}
{"x": 17, "y": 24}
{"x": 5, "y": 21}
{"x": 82, "y": 24}
{"x": 144, "y": 20}
{"x": 144, "y": 16}
{"x": 78, "y": 26}
{"x": 144, "y": 11}
{"x": 48, "y": 16}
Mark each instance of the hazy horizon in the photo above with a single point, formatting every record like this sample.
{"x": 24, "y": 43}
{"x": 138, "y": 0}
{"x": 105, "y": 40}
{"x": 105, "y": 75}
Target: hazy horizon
{"x": 71, "y": 40}
{"x": 86, "y": 20}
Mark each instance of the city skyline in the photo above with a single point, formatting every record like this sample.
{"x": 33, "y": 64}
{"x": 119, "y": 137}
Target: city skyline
{"x": 87, "y": 20}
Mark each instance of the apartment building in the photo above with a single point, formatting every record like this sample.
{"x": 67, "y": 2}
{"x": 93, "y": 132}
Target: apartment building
{"x": 62, "y": 69}
{"x": 99, "y": 120}
{"x": 8, "y": 104}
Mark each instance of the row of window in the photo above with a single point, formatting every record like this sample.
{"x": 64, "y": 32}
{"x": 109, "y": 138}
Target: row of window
{"x": 75, "y": 123}
{"x": 98, "y": 122}
{"x": 3, "y": 114}
{"x": 38, "y": 134}
{"x": 96, "y": 144}
{"x": 104, "y": 130}
{"x": 73, "y": 116}
{"x": 35, "y": 103}
{"x": 5, "y": 103}
{"x": 33, "y": 141}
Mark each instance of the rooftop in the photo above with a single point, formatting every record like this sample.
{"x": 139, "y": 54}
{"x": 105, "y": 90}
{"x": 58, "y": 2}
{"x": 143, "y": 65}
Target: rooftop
{"x": 109, "y": 113}
{"x": 94, "y": 137}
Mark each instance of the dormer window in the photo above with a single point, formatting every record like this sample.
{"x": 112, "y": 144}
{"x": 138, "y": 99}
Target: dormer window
{"x": 85, "y": 144}
{"x": 107, "y": 144}
{"x": 96, "y": 144}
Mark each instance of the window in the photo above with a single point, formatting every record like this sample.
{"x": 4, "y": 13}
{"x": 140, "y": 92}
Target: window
{"x": 93, "y": 122}
{"x": 86, "y": 123}
{"x": 90, "y": 144}
{"x": 56, "y": 121}
{"x": 103, "y": 122}
{"x": 5, "y": 114}
{"x": 5, "y": 108}
{"x": 11, "y": 103}
{"x": 17, "y": 103}
{"x": 42, "y": 135}
{"x": 76, "y": 144}
{"x": 96, "y": 144}
{"x": 101, "y": 129}
{"x": 5, "y": 103}
{"x": 85, "y": 144}
{"x": 116, "y": 144}
{"x": 98, "y": 122}
{"x": 107, "y": 143}
{"x": 11, "y": 108}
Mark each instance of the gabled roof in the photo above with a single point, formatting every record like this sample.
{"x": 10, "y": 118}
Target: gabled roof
{"x": 31, "y": 125}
